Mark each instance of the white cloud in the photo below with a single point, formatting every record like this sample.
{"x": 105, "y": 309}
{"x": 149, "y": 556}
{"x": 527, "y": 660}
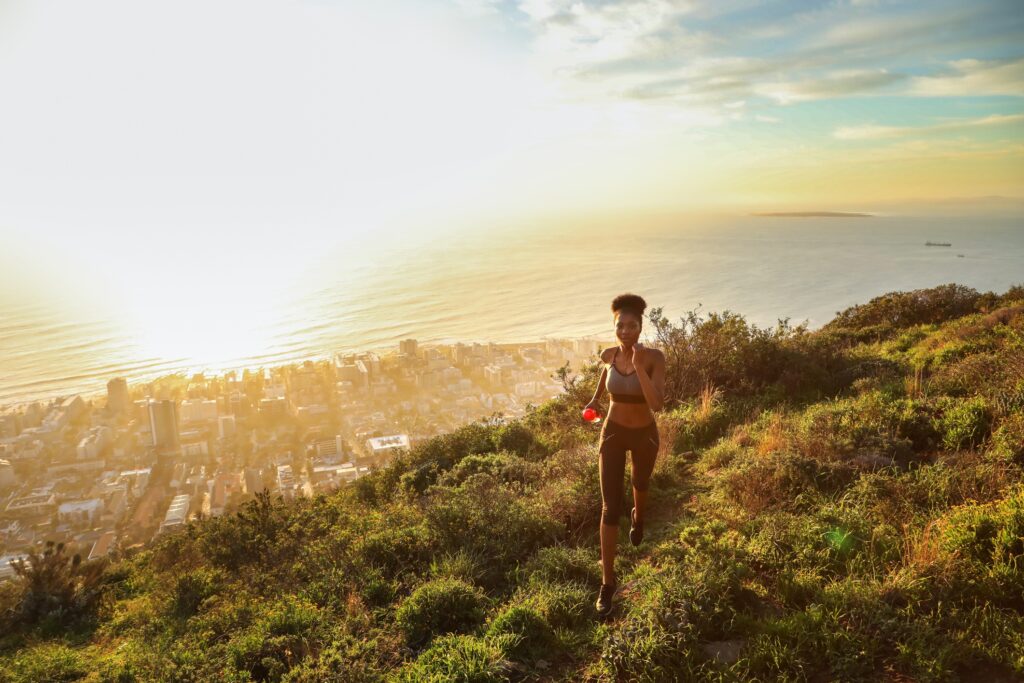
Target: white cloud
{"x": 836, "y": 84}
{"x": 874, "y": 132}
{"x": 974, "y": 77}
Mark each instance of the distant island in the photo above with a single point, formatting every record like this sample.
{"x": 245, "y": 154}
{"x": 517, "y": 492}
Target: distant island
{"x": 813, "y": 214}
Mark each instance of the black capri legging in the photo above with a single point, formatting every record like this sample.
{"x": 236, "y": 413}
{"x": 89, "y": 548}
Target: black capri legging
{"x": 616, "y": 439}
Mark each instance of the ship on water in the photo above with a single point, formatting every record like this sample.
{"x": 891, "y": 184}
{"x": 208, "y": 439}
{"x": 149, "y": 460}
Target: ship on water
{"x": 937, "y": 244}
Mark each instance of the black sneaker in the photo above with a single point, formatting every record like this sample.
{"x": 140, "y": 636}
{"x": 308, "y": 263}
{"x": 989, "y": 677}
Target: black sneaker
{"x": 604, "y": 598}
{"x": 636, "y": 529}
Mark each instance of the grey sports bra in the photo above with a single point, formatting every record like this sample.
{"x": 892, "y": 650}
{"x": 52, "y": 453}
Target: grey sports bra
{"x": 623, "y": 388}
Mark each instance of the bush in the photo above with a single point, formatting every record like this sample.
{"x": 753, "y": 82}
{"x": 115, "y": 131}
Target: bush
{"x": 440, "y": 606}
{"x": 776, "y": 482}
{"x": 533, "y": 636}
{"x": 724, "y": 350}
{"x": 991, "y": 534}
{"x": 251, "y": 535}
{"x": 397, "y": 547}
{"x": 563, "y": 605}
{"x": 488, "y": 518}
{"x": 963, "y": 422}
{"x": 281, "y": 636}
{"x": 517, "y": 438}
{"x": 696, "y": 428}
{"x": 904, "y": 309}
{"x": 722, "y": 454}
{"x": 192, "y": 588}
{"x": 564, "y": 564}
{"x": 1008, "y": 440}
{"x": 505, "y": 467}
{"x": 55, "y": 586}
{"x": 46, "y": 662}
{"x": 459, "y": 659}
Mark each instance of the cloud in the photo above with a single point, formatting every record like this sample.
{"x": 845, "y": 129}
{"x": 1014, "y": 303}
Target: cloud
{"x": 873, "y": 132}
{"x": 656, "y": 49}
{"x": 830, "y": 86}
{"x": 973, "y": 77}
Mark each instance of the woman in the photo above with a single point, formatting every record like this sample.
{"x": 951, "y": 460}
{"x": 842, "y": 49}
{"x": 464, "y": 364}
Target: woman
{"x": 635, "y": 379}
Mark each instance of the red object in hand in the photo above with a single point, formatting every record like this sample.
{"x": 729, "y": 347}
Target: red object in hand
{"x": 589, "y": 414}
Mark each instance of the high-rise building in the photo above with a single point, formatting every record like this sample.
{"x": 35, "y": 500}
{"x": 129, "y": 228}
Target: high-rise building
{"x": 163, "y": 421}
{"x": 118, "y": 398}
{"x": 226, "y": 426}
{"x": 408, "y": 347}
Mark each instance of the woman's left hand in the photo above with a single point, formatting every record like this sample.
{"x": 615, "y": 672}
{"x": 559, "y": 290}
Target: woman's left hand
{"x": 639, "y": 358}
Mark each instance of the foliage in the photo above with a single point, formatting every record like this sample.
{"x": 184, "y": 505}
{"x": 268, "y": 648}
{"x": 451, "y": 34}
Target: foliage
{"x": 838, "y": 504}
{"x": 55, "y": 586}
{"x": 440, "y": 606}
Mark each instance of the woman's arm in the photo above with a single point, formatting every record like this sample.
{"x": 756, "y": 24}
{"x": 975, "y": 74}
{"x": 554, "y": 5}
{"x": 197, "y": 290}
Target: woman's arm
{"x": 653, "y": 386}
{"x": 600, "y": 386}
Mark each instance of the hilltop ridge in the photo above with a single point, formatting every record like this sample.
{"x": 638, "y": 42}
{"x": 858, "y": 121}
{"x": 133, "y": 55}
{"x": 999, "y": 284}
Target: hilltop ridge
{"x": 838, "y": 504}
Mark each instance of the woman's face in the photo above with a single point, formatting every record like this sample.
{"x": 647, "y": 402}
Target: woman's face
{"x": 627, "y": 327}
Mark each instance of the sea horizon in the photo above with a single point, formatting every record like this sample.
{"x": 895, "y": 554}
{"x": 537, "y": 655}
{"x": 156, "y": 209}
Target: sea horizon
{"x": 554, "y": 285}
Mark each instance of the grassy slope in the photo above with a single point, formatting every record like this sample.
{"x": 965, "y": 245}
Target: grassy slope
{"x": 864, "y": 524}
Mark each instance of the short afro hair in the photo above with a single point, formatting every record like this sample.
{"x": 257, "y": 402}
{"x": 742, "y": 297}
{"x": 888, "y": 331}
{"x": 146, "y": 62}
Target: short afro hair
{"x": 629, "y": 303}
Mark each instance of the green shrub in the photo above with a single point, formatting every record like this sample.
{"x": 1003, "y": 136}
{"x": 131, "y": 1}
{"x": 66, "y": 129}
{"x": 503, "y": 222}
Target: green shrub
{"x": 722, "y": 454}
{"x": 904, "y": 309}
{"x": 533, "y": 635}
{"x": 249, "y": 536}
{"x": 991, "y": 533}
{"x": 488, "y": 518}
{"x": 777, "y": 481}
{"x": 461, "y": 564}
{"x": 505, "y": 467}
{"x": 1008, "y": 440}
{"x": 458, "y": 659}
{"x": 55, "y": 586}
{"x": 281, "y": 636}
{"x": 47, "y": 662}
{"x": 563, "y": 605}
{"x": 395, "y": 548}
{"x": 964, "y": 422}
{"x": 560, "y": 563}
{"x": 440, "y": 606}
{"x": 192, "y": 588}
{"x": 519, "y": 439}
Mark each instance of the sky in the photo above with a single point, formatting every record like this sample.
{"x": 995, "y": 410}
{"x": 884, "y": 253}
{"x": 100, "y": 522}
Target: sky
{"x": 215, "y": 143}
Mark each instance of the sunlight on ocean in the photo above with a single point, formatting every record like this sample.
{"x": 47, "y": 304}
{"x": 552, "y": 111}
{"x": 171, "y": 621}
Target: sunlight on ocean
{"x": 530, "y": 289}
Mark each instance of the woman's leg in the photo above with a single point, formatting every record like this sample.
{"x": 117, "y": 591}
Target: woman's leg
{"x": 612, "y": 469}
{"x": 644, "y": 453}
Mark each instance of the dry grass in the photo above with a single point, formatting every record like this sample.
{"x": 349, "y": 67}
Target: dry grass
{"x": 774, "y": 439}
{"x": 921, "y": 550}
{"x": 914, "y": 386}
{"x": 709, "y": 397}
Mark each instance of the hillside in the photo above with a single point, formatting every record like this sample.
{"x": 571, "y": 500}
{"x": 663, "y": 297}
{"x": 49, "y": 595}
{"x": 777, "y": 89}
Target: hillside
{"x": 838, "y": 504}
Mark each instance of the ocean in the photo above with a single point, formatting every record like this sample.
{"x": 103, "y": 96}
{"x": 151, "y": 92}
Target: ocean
{"x": 552, "y": 284}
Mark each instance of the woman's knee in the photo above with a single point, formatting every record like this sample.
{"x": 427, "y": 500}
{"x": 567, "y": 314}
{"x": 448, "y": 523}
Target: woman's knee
{"x": 642, "y": 471}
{"x": 611, "y": 512}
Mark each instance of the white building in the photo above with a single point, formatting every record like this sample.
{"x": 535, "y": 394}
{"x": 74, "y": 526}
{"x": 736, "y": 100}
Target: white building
{"x": 198, "y": 410}
{"x": 177, "y": 513}
{"x": 94, "y": 443}
{"x": 286, "y": 481}
{"x": 226, "y": 427}
{"x": 382, "y": 445}
{"x": 83, "y": 513}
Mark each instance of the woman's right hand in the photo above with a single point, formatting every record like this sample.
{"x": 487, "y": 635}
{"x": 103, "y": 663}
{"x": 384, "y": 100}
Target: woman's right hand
{"x": 595, "y": 406}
